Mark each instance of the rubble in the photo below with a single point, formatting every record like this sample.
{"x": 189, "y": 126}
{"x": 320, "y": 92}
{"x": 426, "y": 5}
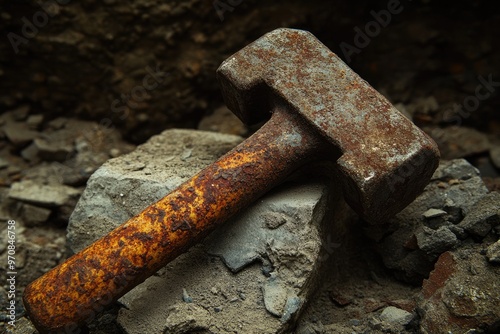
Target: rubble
{"x": 462, "y": 292}
{"x": 434, "y": 242}
{"x": 263, "y": 263}
{"x": 414, "y": 241}
{"x": 483, "y": 216}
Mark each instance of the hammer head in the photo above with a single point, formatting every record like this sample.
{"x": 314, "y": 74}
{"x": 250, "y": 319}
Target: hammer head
{"x": 386, "y": 161}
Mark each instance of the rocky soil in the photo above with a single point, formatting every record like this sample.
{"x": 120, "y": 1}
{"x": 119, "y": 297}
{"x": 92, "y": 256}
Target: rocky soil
{"x": 96, "y": 80}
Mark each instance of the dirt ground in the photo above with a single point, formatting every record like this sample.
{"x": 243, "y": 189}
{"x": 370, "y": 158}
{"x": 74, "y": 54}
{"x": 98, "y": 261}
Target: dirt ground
{"x": 115, "y": 74}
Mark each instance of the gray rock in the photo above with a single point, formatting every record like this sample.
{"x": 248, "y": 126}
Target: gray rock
{"x": 455, "y": 187}
{"x": 433, "y": 213}
{"x": 484, "y": 215}
{"x": 41, "y": 194}
{"x": 263, "y": 263}
{"x": 493, "y": 252}
{"x": 396, "y": 316}
{"x": 19, "y": 134}
{"x": 435, "y": 242}
{"x": 52, "y": 151}
{"x": 34, "y": 215}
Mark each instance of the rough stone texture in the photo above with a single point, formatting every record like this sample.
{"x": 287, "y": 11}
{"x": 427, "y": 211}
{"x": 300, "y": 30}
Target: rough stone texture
{"x": 411, "y": 243}
{"x": 484, "y": 215}
{"x": 493, "y": 252}
{"x": 263, "y": 263}
{"x": 462, "y": 292}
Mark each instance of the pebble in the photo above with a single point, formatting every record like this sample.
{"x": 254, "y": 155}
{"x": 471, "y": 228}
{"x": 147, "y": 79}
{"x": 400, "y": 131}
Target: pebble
{"x": 493, "y": 253}
{"x": 34, "y": 215}
{"x": 185, "y": 296}
{"x": 435, "y": 242}
{"x": 42, "y": 195}
{"x": 484, "y": 215}
{"x": 34, "y": 121}
{"x": 433, "y": 213}
{"x": 396, "y": 316}
{"x": 19, "y": 134}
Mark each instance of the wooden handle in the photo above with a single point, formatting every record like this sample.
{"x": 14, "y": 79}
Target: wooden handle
{"x": 76, "y": 290}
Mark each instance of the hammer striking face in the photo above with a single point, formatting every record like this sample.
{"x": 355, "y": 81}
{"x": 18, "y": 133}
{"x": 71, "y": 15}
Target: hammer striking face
{"x": 320, "y": 110}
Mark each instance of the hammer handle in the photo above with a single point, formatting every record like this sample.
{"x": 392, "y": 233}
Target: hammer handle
{"x": 76, "y": 290}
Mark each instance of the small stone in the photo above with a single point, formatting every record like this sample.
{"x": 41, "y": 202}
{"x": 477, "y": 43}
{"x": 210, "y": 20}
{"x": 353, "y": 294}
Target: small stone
{"x": 34, "y": 215}
{"x": 52, "y": 151}
{"x": 274, "y": 220}
{"x": 396, "y": 316}
{"x": 493, "y": 253}
{"x": 186, "y": 154}
{"x": 433, "y": 213}
{"x": 182, "y": 318}
{"x": 30, "y": 154}
{"x": 24, "y": 326}
{"x": 484, "y": 215}
{"x": 34, "y": 121}
{"x": 185, "y": 297}
{"x": 435, "y": 242}
{"x": 114, "y": 152}
{"x": 42, "y": 195}
{"x": 292, "y": 305}
{"x": 275, "y": 297}
{"x": 19, "y": 134}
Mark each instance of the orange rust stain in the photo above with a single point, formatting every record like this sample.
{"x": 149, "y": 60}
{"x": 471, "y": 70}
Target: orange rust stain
{"x": 444, "y": 268}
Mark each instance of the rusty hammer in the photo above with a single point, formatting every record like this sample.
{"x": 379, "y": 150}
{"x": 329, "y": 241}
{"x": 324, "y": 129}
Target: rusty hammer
{"x": 319, "y": 110}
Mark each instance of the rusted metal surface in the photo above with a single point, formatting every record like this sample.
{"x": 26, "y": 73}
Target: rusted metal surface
{"x": 386, "y": 160}
{"x": 320, "y": 110}
{"x": 66, "y": 296}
